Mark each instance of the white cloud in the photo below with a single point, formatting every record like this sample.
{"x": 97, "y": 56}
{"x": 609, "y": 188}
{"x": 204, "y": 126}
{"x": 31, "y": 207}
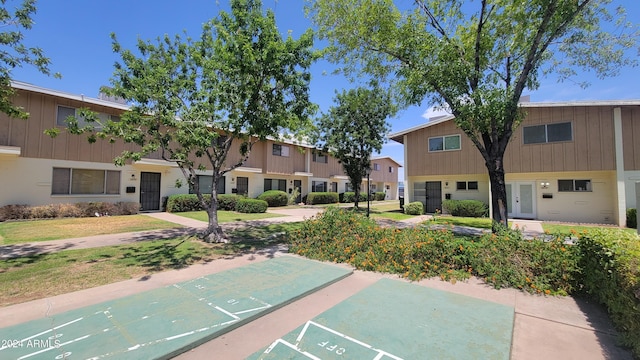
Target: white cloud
{"x": 435, "y": 111}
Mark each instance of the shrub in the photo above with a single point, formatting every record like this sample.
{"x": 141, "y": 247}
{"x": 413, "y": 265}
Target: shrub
{"x": 275, "y": 198}
{"x": 185, "y": 202}
{"x": 469, "y": 208}
{"x": 632, "y": 218}
{"x": 379, "y": 196}
{"x": 52, "y": 211}
{"x": 414, "y": 208}
{"x": 251, "y": 206}
{"x": 611, "y": 274}
{"x": 350, "y": 196}
{"x": 293, "y": 196}
{"x": 315, "y": 198}
{"x": 228, "y": 201}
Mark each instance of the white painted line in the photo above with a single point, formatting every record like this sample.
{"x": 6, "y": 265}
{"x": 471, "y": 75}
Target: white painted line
{"x": 290, "y": 345}
{"x": 47, "y": 331}
{"x": 53, "y": 347}
{"x": 347, "y": 337}
{"x": 224, "y": 311}
{"x": 250, "y": 310}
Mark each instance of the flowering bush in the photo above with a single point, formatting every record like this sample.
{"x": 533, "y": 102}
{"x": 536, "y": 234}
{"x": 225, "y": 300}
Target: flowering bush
{"x": 502, "y": 260}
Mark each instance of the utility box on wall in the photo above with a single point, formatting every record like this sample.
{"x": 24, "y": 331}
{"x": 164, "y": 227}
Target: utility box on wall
{"x": 131, "y": 189}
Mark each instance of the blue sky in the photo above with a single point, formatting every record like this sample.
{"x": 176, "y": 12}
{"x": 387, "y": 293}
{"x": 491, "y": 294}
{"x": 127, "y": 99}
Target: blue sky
{"x": 74, "y": 34}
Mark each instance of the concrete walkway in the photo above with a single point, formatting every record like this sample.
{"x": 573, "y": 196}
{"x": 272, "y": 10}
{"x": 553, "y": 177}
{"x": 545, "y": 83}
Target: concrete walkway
{"x": 545, "y": 327}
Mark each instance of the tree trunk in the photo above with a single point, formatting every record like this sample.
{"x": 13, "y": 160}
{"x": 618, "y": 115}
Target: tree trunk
{"x": 357, "y": 198}
{"x": 495, "y": 166}
{"x": 213, "y": 233}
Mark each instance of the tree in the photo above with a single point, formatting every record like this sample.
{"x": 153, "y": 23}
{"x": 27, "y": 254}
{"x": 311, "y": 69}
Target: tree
{"x": 354, "y": 128}
{"x": 14, "y": 53}
{"x": 476, "y": 58}
{"x": 239, "y": 83}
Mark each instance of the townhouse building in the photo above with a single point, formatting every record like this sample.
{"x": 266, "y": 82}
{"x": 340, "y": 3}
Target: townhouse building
{"x": 567, "y": 161}
{"x": 36, "y": 169}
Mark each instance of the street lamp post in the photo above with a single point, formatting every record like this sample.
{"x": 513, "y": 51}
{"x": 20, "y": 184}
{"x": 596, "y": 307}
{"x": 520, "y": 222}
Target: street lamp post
{"x": 368, "y": 188}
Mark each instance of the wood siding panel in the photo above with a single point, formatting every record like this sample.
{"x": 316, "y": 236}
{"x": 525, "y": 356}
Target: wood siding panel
{"x": 299, "y": 159}
{"x": 631, "y": 138}
{"x": 383, "y": 175}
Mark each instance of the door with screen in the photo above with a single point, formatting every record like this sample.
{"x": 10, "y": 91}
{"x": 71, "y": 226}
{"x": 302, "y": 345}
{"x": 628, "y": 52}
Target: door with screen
{"x": 521, "y": 200}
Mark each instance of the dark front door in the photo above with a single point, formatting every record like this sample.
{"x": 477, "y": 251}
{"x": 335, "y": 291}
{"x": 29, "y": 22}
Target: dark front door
{"x": 297, "y": 184}
{"x": 243, "y": 185}
{"x": 434, "y": 196}
{"x": 149, "y": 191}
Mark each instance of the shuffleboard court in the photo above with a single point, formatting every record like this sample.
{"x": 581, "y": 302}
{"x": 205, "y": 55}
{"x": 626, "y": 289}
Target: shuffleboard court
{"x": 393, "y": 319}
{"x": 164, "y": 322}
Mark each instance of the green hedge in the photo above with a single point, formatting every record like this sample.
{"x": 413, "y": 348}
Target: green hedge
{"x": 251, "y": 206}
{"x": 350, "y": 196}
{"x": 275, "y": 198}
{"x": 228, "y": 201}
{"x": 414, "y": 208}
{"x": 610, "y": 263}
{"x": 379, "y": 196}
{"x": 315, "y": 198}
{"x": 632, "y": 218}
{"x": 468, "y": 208}
{"x": 189, "y": 202}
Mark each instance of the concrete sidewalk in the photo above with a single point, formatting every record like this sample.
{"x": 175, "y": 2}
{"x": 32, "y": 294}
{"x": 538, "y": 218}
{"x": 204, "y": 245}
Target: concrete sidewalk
{"x": 545, "y": 327}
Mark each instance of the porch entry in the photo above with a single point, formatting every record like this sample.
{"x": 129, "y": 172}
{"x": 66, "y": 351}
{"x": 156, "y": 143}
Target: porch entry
{"x": 521, "y": 200}
{"x": 429, "y": 193}
{"x": 149, "y": 191}
{"x": 297, "y": 184}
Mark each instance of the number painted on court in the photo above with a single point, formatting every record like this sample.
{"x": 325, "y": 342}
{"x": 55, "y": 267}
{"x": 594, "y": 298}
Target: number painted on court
{"x": 333, "y": 348}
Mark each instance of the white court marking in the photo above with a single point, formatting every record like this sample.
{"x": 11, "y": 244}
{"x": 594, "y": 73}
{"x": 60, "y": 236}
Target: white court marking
{"x": 296, "y": 346}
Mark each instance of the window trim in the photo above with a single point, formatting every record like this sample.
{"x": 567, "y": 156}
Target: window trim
{"x": 114, "y": 175}
{"x": 319, "y": 155}
{"x": 466, "y": 185}
{"x": 444, "y": 142}
{"x": 546, "y": 133}
{"x": 588, "y": 185}
{"x": 282, "y": 150}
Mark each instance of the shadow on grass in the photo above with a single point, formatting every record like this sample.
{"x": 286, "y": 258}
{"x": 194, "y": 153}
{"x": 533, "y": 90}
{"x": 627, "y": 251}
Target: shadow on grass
{"x": 156, "y": 256}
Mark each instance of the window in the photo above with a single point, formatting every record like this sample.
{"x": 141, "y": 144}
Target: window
{"x": 64, "y": 112}
{"x": 444, "y": 143}
{"x": 242, "y": 185}
{"x": 280, "y": 150}
{"x": 574, "y": 185}
{"x": 334, "y": 187}
{"x": 467, "y": 185}
{"x": 391, "y": 169}
{"x": 205, "y": 182}
{"x": 348, "y": 187}
{"x": 67, "y": 181}
{"x": 275, "y": 184}
{"x": 376, "y": 166}
{"x": 320, "y": 158}
{"x": 540, "y": 134}
{"x": 319, "y": 186}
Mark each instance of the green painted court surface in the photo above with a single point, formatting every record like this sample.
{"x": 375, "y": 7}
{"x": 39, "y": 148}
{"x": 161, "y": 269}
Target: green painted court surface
{"x": 165, "y": 322}
{"x": 395, "y": 320}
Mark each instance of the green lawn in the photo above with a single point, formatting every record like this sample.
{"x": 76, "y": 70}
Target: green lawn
{"x": 14, "y": 232}
{"x": 482, "y": 223}
{"x": 226, "y": 216}
{"x": 564, "y": 229}
{"x": 39, "y": 276}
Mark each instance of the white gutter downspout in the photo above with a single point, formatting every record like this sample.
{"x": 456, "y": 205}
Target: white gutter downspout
{"x": 408, "y": 188}
{"x": 620, "y": 188}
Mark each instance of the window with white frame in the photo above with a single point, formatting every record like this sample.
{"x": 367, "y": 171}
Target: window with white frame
{"x": 466, "y": 185}
{"x": 64, "y": 112}
{"x": 68, "y": 181}
{"x": 205, "y": 183}
{"x": 320, "y": 158}
{"x": 571, "y": 185}
{"x": 376, "y": 167}
{"x": 444, "y": 143}
{"x": 391, "y": 170}
{"x": 280, "y": 150}
{"x": 540, "y": 134}
{"x": 275, "y": 184}
{"x": 318, "y": 186}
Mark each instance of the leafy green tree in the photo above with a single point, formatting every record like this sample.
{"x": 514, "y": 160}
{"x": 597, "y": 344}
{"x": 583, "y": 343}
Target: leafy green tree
{"x": 354, "y": 128}
{"x": 241, "y": 82}
{"x": 475, "y": 57}
{"x": 13, "y": 52}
